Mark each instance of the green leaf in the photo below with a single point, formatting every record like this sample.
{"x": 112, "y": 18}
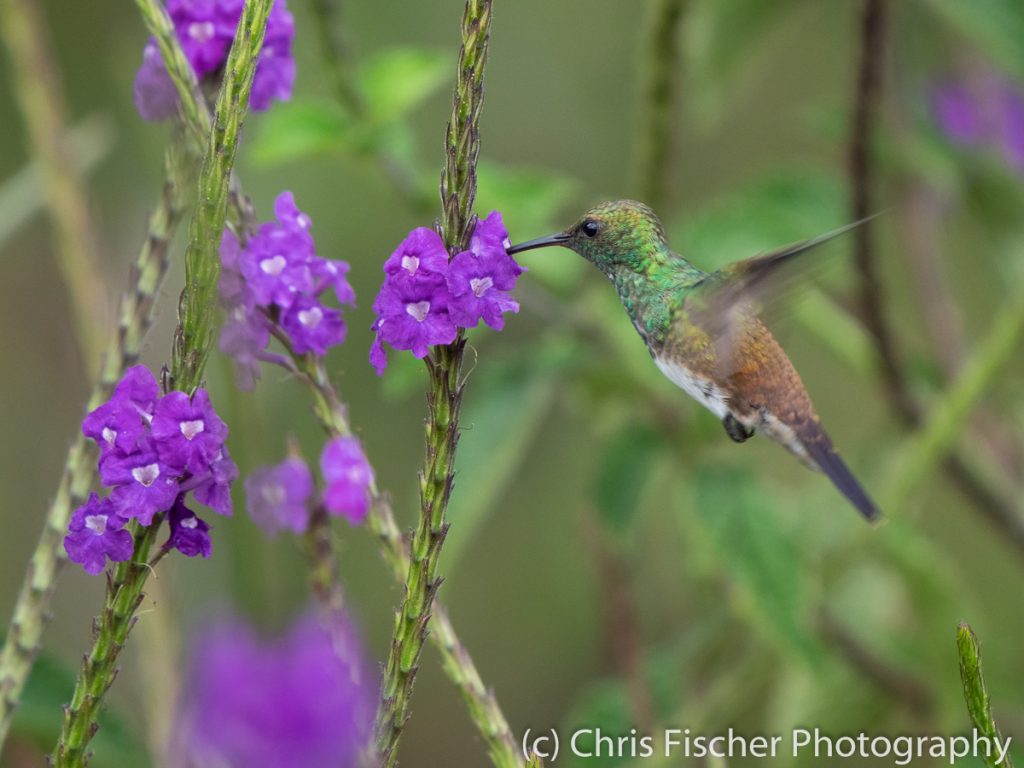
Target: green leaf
{"x": 506, "y": 412}
{"x": 398, "y": 80}
{"x": 748, "y": 530}
{"x": 996, "y": 27}
{"x": 624, "y": 470}
{"x": 38, "y": 718}
{"x": 975, "y": 692}
{"x": 303, "y": 128}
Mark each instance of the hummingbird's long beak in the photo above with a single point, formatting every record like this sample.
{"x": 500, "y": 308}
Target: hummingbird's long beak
{"x": 541, "y": 242}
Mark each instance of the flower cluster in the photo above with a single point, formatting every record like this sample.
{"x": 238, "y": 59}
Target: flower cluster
{"x": 278, "y": 278}
{"x": 281, "y": 497}
{"x": 989, "y": 111}
{"x": 153, "y": 451}
{"x": 206, "y": 29}
{"x": 425, "y": 297}
{"x": 304, "y": 700}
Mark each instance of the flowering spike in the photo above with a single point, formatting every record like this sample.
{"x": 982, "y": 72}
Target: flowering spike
{"x": 425, "y": 298}
{"x": 278, "y": 275}
{"x": 205, "y": 30}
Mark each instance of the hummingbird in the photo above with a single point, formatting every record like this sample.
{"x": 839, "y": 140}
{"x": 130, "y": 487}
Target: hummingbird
{"x": 705, "y": 333}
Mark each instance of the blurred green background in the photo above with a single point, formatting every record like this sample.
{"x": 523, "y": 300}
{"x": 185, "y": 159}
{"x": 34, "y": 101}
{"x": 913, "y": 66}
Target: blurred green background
{"x": 614, "y": 559}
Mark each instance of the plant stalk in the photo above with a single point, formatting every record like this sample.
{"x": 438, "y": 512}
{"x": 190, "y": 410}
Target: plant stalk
{"x": 193, "y": 339}
{"x": 660, "y": 78}
{"x": 444, "y": 396}
{"x": 455, "y": 659}
{"x": 135, "y": 315}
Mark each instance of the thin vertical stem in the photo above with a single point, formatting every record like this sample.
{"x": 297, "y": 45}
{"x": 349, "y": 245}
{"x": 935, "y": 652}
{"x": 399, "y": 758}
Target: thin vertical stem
{"x": 197, "y": 307}
{"x": 456, "y": 661}
{"x": 135, "y": 315}
{"x": 865, "y": 113}
{"x": 659, "y": 80}
{"x": 38, "y": 87}
{"x": 193, "y": 339}
{"x": 444, "y": 396}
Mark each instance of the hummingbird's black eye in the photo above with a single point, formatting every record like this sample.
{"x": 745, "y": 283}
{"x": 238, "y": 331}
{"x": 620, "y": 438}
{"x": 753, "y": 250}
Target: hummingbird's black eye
{"x": 589, "y": 228}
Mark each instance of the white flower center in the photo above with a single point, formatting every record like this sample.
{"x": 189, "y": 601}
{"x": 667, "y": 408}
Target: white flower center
{"x": 480, "y": 285}
{"x": 419, "y": 310}
{"x": 410, "y": 264}
{"x": 190, "y": 522}
{"x": 201, "y": 31}
{"x": 273, "y": 494}
{"x": 274, "y": 266}
{"x": 303, "y": 221}
{"x": 96, "y": 523}
{"x": 109, "y": 435}
{"x": 191, "y": 428}
{"x": 311, "y": 317}
{"x": 146, "y": 475}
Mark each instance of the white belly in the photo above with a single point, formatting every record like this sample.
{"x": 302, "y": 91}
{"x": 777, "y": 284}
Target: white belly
{"x": 700, "y": 389}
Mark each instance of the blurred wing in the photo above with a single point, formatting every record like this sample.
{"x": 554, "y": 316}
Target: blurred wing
{"x": 729, "y": 300}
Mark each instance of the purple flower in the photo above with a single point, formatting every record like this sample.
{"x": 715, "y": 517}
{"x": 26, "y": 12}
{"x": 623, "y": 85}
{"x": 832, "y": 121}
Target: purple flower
{"x": 143, "y": 485}
{"x": 278, "y": 275}
{"x": 206, "y": 29}
{"x": 421, "y": 258}
{"x": 479, "y": 287}
{"x": 189, "y": 534}
{"x": 305, "y": 700}
{"x": 491, "y": 238}
{"x": 155, "y": 95}
{"x": 121, "y": 422}
{"x": 312, "y": 326}
{"x": 413, "y": 317}
{"x": 215, "y": 490}
{"x": 333, "y": 274}
{"x": 986, "y": 111}
{"x": 348, "y": 477}
{"x": 275, "y": 72}
{"x": 243, "y": 337}
{"x": 188, "y": 433}
{"x": 275, "y": 265}
{"x": 96, "y": 533}
{"x": 425, "y": 298}
{"x": 277, "y": 498}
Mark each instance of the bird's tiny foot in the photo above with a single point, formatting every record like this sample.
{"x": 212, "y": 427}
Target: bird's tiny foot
{"x": 735, "y": 430}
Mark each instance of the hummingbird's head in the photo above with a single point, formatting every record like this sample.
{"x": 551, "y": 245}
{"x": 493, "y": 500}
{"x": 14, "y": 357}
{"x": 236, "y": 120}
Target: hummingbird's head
{"x": 622, "y": 233}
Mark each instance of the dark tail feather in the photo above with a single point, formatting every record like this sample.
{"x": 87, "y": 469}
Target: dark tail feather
{"x": 819, "y": 448}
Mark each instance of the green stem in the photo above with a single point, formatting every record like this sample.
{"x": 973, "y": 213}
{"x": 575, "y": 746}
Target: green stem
{"x": 975, "y": 692}
{"x": 193, "y": 339}
{"x": 135, "y": 315}
{"x": 194, "y": 112}
{"x": 457, "y": 663}
{"x": 483, "y": 708}
{"x": 110, "y": 633}
{"x": 444, "y": 397}
{"x": 38, "y": 87}
{"x": 660, "y": 79}
{"x": 197, "y": 307}
{"x": 947, "y": 417}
